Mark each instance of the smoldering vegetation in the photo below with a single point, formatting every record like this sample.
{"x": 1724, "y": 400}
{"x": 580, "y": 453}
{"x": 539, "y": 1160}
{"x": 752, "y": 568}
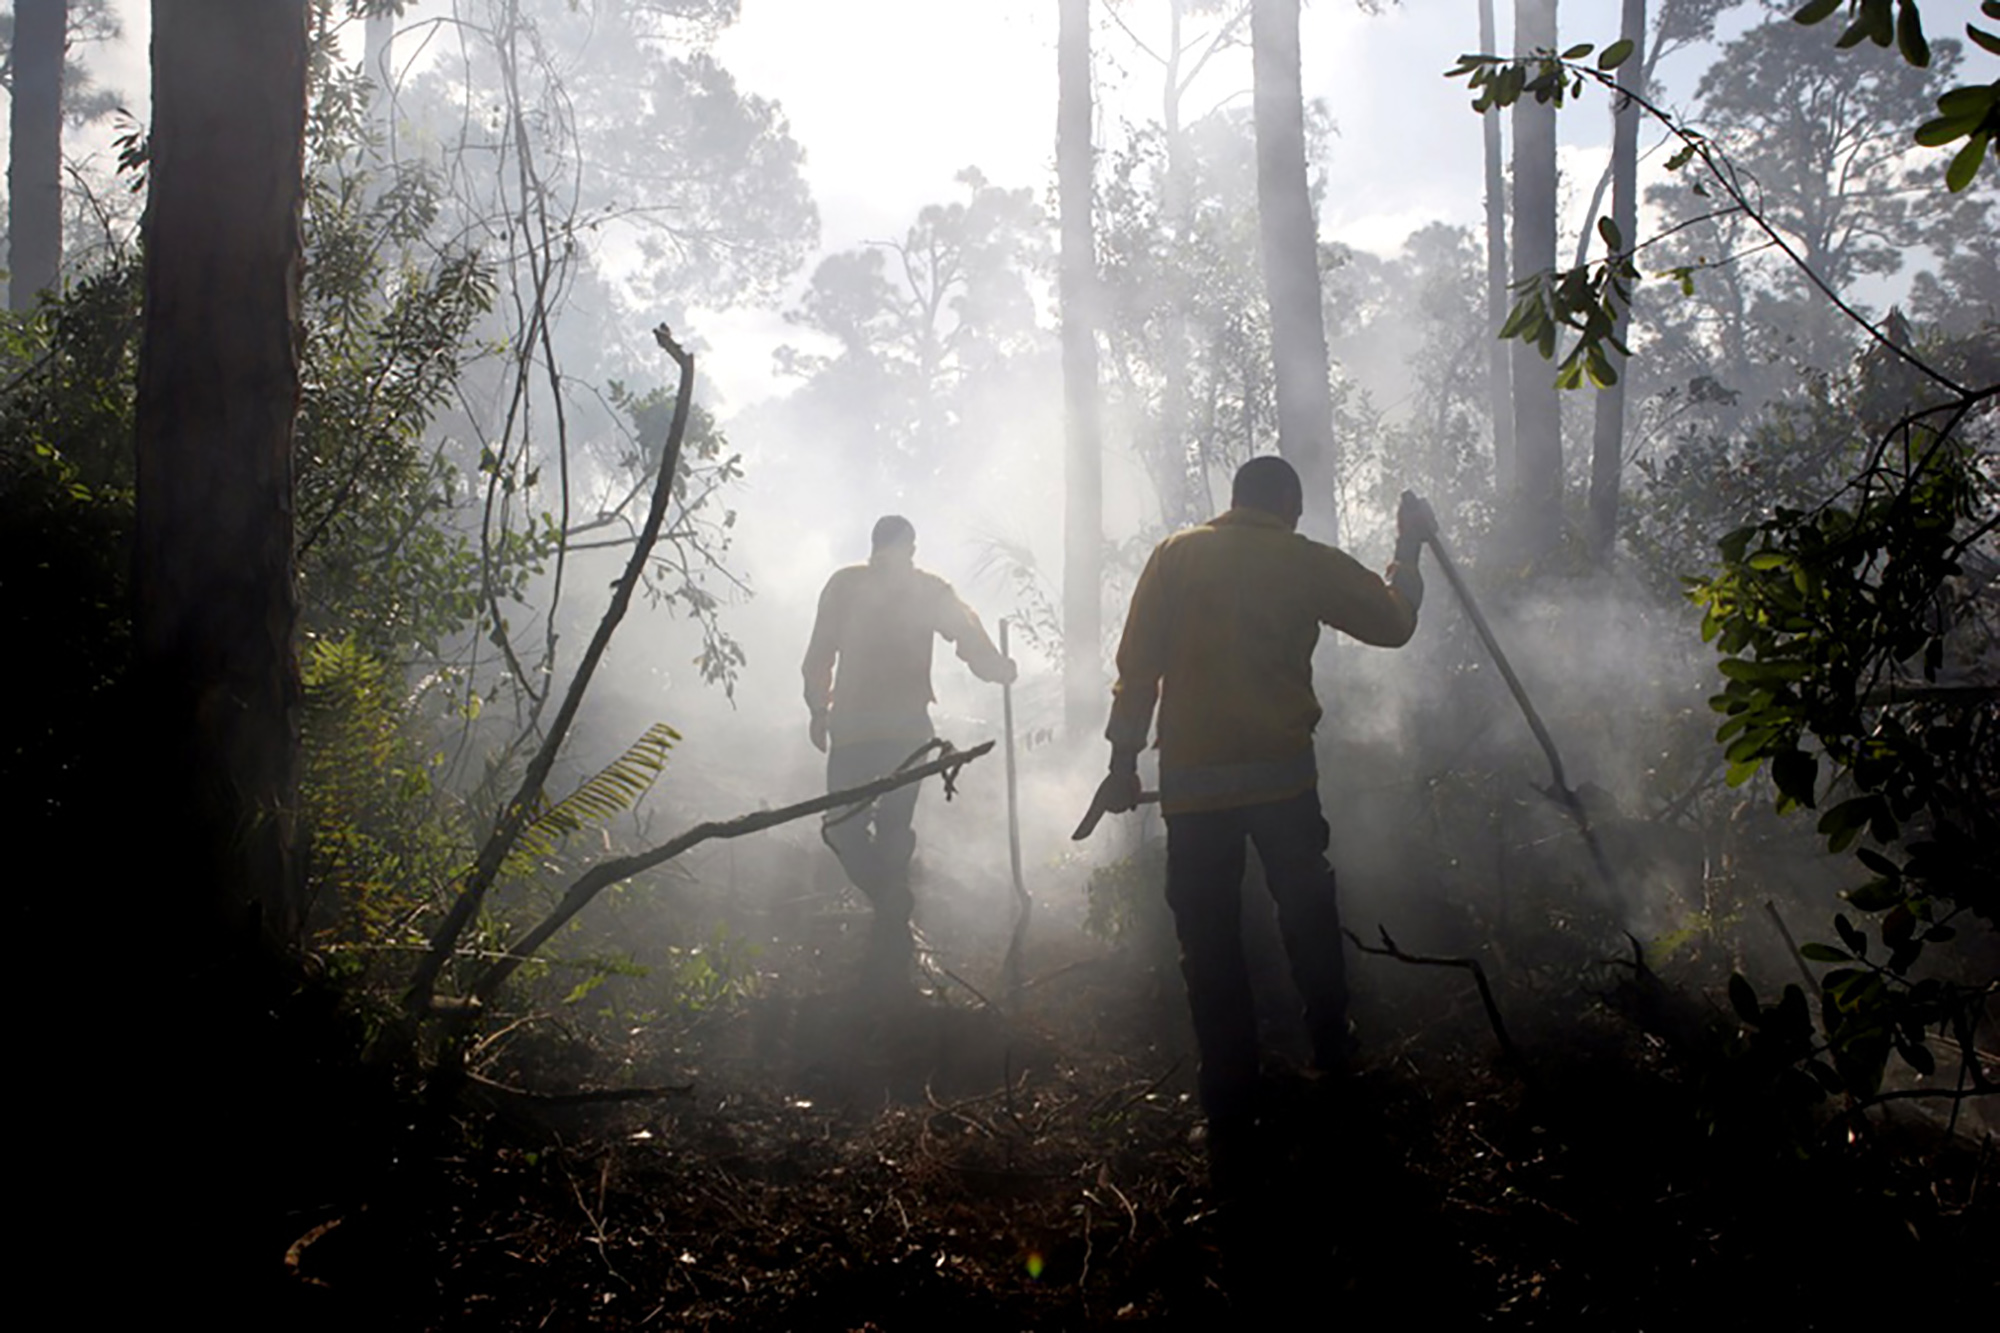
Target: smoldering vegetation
{"x": 1643, "y": 1040}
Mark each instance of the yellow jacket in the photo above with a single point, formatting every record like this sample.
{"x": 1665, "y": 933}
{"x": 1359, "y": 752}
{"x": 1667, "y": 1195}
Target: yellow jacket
{"x": 876, "y": 621}
{"x": 1221, "y": 635}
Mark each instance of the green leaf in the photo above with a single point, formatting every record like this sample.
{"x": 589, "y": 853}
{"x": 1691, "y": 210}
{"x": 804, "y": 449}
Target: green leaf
{"x": 1879, "y": 863}
{"x": 1850, "y": 935}
{"x": 1797, "y": 775}
{"x": 1965, "y": 164}
{"x": 1969, "y": 102}
{"x": 1877, "y": 895}
{"x": 1910, "y": 36}
{"x": 1816, "y": 11}
{"x": 1615, "y": 54}
{"x": 1578, "y": 52}
{"x": 1680, "y": 159}
{"x": 1824, "y": 953}
{"x": 1742, "y": 999}
{"x": 1937, "y": 133}
{"x": 1609, "y": 231}
{"x": 1980, "y": 37}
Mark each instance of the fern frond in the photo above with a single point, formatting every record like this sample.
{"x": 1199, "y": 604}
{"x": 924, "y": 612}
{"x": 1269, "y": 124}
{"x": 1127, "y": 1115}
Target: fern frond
{"x": 611, "y": 791}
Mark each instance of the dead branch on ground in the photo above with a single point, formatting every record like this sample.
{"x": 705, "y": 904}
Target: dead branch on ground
{"x": 1390, "y": 949}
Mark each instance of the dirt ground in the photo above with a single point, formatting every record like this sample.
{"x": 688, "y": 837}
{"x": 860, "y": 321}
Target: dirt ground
{"x": 948, "y": 1159}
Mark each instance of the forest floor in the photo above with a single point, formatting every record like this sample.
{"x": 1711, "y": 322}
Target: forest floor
{"x": 834, "y": 1161}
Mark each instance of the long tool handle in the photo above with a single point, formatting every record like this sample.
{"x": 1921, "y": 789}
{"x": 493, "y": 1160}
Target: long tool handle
{"x": 1499, "y": 659}
{"x": 1024, "y": 906}
{"x": 1013, "y": 799}
{"x": 1548, "y": 744}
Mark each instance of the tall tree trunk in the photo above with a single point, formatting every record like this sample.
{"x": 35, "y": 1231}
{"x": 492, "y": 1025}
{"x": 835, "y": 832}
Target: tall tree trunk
{"x": 218, "y": 393}
{"x": 378, "y": 39}
{"x": 1290, "y": 245}
{"x": 1607, "y": 439}
{"x": 1083, "y": 495}
{"x": 34, "y": 163}
{"x": 1537, "y": 481}
{"x": 1499, "y": 394}
{"x": 1177, "y": 499}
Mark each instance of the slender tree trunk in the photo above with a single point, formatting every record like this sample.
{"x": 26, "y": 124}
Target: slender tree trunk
{"x": 1177, "y": 500}
{"x": 1499, "y": 393}
{"x": 34, "y": 165}
{"x": 1607, "y": 441}
{"x": 1537, "y": 480}
{"x": 1083, "y": 495}
{"x": 218, "y": 393}
{"x": 1290, "y": 243}
{"x": 378, "y": 45}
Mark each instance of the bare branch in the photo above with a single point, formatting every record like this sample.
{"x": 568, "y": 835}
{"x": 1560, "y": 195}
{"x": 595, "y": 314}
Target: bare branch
{"x": 603, "y": 875}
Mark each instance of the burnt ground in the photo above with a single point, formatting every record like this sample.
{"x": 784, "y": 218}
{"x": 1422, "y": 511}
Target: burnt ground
{"x": 837, "y": 1162}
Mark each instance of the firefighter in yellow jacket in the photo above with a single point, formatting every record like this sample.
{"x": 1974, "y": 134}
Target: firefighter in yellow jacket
{"x": 868, "y": 688}
{"x": 1220, "y": 636}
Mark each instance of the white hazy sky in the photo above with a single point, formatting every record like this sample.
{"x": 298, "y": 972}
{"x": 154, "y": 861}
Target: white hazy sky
{"x": 891, "y": 98}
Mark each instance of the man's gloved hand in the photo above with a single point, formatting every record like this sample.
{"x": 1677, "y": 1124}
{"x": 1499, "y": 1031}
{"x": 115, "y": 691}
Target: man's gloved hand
{"x": 818, "y": 732}
{"x": 1118, "y": 792}
{"x": 1415, "y": 523}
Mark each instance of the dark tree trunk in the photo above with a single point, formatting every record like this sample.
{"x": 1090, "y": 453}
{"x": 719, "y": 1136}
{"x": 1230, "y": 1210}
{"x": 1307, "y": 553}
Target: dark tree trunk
{"x": 218, "y": 393}
{"x": 1083, "y": 506}
{"x": 1499, "y": 395}
{"x": 1607, "y": 441}
{"x": 1537, "y": 480}
{"x": 34, "y": 165}
{"x": 1290, "y": 245}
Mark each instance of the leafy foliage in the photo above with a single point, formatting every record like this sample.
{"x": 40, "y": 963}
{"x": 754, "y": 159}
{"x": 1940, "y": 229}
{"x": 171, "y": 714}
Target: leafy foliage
{"x": 611, "y": 791}
{"x": 382, "y": 842}
{"x": 1970, "y": 112}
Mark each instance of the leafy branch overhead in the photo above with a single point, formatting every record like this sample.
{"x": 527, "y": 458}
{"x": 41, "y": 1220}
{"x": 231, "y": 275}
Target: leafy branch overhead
{"x": 1587, "y": 298}
{"x": 1970, "y": 112}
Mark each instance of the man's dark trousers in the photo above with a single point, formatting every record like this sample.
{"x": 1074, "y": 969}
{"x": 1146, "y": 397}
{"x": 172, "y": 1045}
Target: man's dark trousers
{"x": 875, "y": 845}
{"x": 1205, "y": 862}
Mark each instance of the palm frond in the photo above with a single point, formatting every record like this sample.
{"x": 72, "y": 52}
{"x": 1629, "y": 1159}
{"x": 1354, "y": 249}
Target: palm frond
{"x": 609, "y": 792}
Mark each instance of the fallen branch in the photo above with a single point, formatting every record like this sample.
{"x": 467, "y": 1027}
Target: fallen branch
{"x": 582, "y": 1096}
{"x": 1389, "y": 949}
{"x": 606, "y": 873}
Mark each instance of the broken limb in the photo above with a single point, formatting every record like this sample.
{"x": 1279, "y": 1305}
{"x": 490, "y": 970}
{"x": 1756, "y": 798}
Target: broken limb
{"x": 1389, "y": 949}
{"x": 578, "y": 1097}
{"x": 521, "y": 809}
{"x": 607, "y": 873}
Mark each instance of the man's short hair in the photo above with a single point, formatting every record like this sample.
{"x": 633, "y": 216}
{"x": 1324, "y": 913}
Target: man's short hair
{"x": 1269, "y": 483}
{"x": 893, "y": 530}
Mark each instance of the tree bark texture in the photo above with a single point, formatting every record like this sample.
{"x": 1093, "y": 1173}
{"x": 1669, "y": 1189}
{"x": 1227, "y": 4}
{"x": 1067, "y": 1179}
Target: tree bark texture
{"x": 217, "y": 398}
{"x": 1537, "y": 480}
{"x": 1607, "y": 439}
{"x": 1083, "y": 493}
{"x": 1290, "y": 247}
{"x": 34, "y": 164}
{"x": 1499, "y": 387}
